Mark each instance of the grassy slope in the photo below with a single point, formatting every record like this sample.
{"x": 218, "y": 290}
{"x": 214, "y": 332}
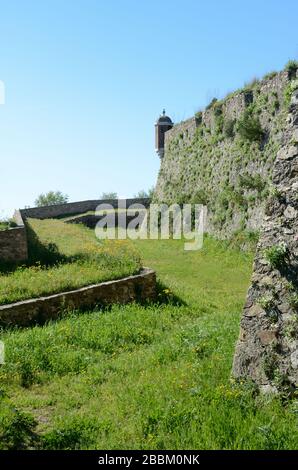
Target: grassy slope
{"x": 71, "y": 257}
{"x": 150, "y": 377}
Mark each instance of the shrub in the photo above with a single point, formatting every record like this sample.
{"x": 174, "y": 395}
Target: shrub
{"x": 229, "y": 128}
{"x": 4, "y": 225}
{"x": 217, "y": 108}
{"x": 254, "y": 182}
{"x": 211, "y": 104}
{"x": 266, "y": 302}
{"x": 251, "y": 84}
{"x": 290, "y": 88}
{"x": 270, "y": 75}
{"x": 293, "y": 300}
{"x": 277, "y": 255}
{"x": 200, "y": 197}
{"x": 249, "y": 127}
{"x": 199, "y": 117}
{"x": 16, "y": 427}
{"x": 291, "y": 329}
{"x": 291, "y": 67}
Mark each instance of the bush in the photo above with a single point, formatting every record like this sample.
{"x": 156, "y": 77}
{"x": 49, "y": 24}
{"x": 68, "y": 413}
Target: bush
{"x": 254, "y": 182}
{"x": 229, "y": 127}
{"x": 249, "y": 127}
{"x": 211, "y": 104}
{"x": 199, "y": 117}
{"x": 290, "y": 88}
{"x": 277, "y": 255}
{"x": 217, "y": 107}
{"x": 16, "y": 427}
{"x": 266, "y": 302}
{"x": 291, "y": 67}
{"x": 293, "y": 300}
{"x": 270, "y": 75}
{"x": 200, "y": 197}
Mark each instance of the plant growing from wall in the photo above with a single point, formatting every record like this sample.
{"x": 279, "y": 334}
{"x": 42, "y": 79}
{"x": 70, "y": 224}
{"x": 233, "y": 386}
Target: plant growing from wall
{"x": 211, "y": 104}
{"x": 270, "y": 75}
{"x": 293, "y": 300}
{"x": 253, "y": 182}
{"x": 291, "y": 67}
{"x": 199, "y": 118}
{"x": 277, "y": 255}
{"x": 291, "y": 87}
{"x": 266, "y": 302}
{"x": 249, "y": 127}
{"x": 229, "y": 128}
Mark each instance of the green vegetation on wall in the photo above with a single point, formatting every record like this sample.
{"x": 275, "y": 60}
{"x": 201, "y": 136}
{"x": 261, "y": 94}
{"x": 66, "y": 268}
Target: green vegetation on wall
{"x": 227, "y": 162}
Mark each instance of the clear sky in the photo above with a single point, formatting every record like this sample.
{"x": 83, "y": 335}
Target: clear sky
{"x": 86, "y": 79}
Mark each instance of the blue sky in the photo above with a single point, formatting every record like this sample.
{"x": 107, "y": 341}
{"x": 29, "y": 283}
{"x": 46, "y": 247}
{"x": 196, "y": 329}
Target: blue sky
{"x": 85, "y": 81}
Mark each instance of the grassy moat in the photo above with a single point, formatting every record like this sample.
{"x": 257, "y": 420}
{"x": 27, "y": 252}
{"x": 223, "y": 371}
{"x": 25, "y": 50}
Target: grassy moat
{"x": 65, "y": 257}
{"x": 145, "y": 377}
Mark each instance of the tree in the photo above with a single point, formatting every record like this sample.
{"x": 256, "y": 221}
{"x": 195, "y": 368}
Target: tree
{"x": 51, "y": 199}
{"x": 143, "y": 194}
{"x": 110, "y": 195}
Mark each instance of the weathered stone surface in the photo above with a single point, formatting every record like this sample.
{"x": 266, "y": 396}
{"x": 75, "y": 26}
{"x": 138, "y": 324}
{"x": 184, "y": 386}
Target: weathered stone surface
{"x": 141, "y": 287}
{"x": 267, "y": 336}
{"x": 80, "y": 207}
{"x": 268, "y": 352}
{"x": 202, "y": 164}
{"x": 287, "y": 153}
{"x": 13, "y": 243}
{"x": 253, "y": 311}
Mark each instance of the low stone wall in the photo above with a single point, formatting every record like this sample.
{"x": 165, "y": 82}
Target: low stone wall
{"x": 141, "y": 287}
{"x": 13, "y": 243}
{"x": 72, "y": 208}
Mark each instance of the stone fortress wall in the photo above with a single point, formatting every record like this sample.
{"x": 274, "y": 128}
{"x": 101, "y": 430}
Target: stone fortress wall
{"x": 13, "y": 242}
{"x": 267, "y": 349}
{"x": 206, "y": 161}
{"x": 249, "y": 185}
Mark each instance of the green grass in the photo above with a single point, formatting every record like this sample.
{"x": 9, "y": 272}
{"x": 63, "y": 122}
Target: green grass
{"x": 146, "y": 377}
{"x": 65, "y": 257}
{"x": 4, "y": 225}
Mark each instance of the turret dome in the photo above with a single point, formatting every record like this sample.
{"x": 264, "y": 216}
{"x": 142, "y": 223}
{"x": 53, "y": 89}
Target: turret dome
{"x": 163, "y": 119}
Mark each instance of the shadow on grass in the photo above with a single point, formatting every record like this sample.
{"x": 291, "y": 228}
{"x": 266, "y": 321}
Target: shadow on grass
{"x": 166, "y": 296}
{"x": 41, "y": 253}
{"x": 47, "y": 254}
